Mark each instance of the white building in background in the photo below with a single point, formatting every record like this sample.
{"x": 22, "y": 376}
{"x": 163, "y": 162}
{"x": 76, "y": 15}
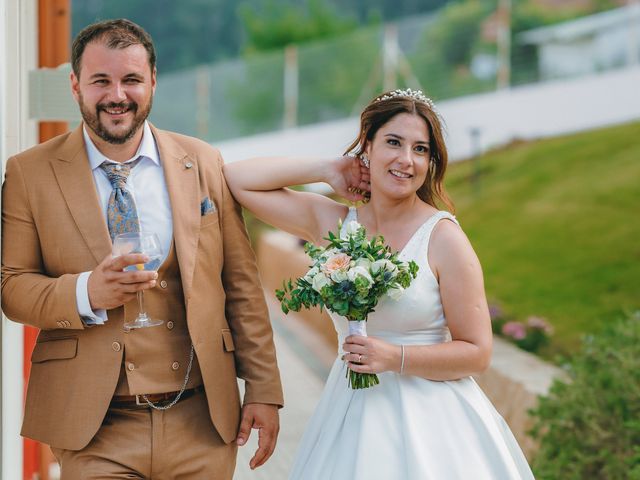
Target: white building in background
{"x": 589, "y": 44}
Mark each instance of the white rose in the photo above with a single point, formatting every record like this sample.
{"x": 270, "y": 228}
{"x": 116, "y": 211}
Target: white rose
{"x": 339, "y": 276}
{"x": 395, "y": 293}
{"x": 383, "y": 264}
{"x": 364, "y": 263}
{"x": 319, "y": 281}
{"x": 329, "y": 253}
{"x": 358, "y": 272}
{"x": 311, "y": 273}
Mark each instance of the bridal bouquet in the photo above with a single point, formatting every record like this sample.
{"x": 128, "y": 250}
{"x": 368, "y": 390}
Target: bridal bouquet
{"x": 348, "y": 277}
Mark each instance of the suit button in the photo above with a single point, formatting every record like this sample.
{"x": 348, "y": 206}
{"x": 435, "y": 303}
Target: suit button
{"x": 170, "y": 325}
{"x": 163, "y": 283}
{"x": 116, "y": 346}
{"x": 175, "y": 366}
{"x": 130, "y": 367}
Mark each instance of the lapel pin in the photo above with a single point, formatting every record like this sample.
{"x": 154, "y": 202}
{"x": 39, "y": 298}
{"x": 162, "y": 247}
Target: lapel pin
{"x": 188, "y": 165}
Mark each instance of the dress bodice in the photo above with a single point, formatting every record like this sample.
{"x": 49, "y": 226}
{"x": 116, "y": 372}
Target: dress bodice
{"x": 417, "y": 317}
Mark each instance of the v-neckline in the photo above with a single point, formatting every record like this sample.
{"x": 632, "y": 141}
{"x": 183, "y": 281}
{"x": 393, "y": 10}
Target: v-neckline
{"x": 415, "y": 233}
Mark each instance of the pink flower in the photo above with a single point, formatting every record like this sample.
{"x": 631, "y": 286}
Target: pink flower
{"x": 339, "y": 261}
{"x": 539, "y": 323}
{"x": 515, "y": 330}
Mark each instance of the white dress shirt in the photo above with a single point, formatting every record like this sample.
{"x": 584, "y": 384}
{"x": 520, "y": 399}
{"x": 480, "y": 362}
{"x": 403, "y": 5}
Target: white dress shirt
{"x": 147, "y": 185}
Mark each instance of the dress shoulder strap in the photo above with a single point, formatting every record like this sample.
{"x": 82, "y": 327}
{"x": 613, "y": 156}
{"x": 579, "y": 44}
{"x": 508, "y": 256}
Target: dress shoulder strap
{"x": 352, "y": 214}
{"x": 431, "y": 225}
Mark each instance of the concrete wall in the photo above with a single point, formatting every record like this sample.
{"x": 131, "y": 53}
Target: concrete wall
{"x": 512, "y": 383}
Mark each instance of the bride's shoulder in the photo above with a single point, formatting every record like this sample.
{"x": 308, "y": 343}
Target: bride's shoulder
{"x": 449, "y": 242}
{"x": 446, "y": 229}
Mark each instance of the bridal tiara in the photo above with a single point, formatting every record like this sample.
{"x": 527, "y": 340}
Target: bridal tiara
{"x": 408, "y": 93}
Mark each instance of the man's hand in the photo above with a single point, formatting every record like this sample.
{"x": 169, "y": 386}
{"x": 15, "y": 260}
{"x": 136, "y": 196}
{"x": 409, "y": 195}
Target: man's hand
{"x": 265, "y": 418}
{"x": 109, "y": 286}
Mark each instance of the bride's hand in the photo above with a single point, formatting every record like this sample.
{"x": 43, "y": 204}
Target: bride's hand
{"x": 349, "y": 178}
{"x": 371, "y": 354}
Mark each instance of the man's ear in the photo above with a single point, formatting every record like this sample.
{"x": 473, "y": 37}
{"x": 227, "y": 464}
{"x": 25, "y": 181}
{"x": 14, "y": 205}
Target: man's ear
{"x": 153, "y": 81}
{"x": 75, "y": 86}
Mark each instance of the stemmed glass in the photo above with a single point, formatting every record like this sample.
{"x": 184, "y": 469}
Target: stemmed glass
{"x": 148, "y": 244}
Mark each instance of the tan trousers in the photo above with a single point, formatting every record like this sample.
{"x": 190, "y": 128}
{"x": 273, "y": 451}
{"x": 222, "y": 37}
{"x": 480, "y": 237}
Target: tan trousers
{"x": 178, "y": 443}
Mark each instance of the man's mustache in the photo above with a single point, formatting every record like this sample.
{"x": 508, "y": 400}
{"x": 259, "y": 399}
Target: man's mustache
{"x": 124, "y": 105}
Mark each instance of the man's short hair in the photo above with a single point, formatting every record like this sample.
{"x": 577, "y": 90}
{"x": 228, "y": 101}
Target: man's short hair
{"x": 119, "y": 33}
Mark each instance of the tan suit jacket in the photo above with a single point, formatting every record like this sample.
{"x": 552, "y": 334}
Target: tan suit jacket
{"x": 53, "y": 229}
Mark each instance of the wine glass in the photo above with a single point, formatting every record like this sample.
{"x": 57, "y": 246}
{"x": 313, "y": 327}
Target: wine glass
{"x": 148, "y": 244}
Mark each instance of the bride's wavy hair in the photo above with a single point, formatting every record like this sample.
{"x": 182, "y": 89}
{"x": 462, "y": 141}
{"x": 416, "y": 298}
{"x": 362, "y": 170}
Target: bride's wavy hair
{"x": 386, "y": 106}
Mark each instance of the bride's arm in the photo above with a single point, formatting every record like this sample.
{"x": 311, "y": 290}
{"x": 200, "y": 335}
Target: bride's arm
{"x": 465, "y": 307}
{"x": 459, "y": 274}
{"x": 259, "y": 184}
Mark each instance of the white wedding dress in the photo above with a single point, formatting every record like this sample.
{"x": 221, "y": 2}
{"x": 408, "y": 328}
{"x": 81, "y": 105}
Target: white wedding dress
{"x": 407, "y": 428}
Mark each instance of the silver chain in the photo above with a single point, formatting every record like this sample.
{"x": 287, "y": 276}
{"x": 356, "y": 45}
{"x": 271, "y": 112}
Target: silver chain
{"x": 184, "y": 385}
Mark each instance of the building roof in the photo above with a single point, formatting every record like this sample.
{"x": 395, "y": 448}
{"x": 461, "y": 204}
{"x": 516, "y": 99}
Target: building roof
{"x": 584, "y": 26}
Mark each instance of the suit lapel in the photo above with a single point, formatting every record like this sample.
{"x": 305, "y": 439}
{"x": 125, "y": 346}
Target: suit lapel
{"x": 181, "y": 175}
{"x": 74, "y": 176}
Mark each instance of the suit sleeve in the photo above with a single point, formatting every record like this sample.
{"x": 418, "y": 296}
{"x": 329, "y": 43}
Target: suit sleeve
{"x": 29, "y": 296}
{"x": 246, "y": 309}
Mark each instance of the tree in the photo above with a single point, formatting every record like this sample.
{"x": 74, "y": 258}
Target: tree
{"x": 326, "y": 73}
{"x": 185, "y": 34}
{"x": 277, "y": 25}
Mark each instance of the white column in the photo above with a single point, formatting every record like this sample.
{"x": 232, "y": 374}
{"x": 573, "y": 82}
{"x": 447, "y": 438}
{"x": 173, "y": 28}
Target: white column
{"x": 18, "y": 55}
{"x": 633, "y": 50}
{"x": 291, "y": 86}
{"x": 203, "y": 102}
{"x": 504, "y": 44}
{"x": 390, "y": 55}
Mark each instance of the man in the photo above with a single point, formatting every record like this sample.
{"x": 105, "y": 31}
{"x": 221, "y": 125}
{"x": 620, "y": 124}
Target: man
{"x": 159, "y": 402}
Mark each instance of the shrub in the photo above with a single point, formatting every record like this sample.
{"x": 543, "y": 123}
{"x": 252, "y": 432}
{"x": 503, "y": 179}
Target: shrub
{"x": 590, "y": 427}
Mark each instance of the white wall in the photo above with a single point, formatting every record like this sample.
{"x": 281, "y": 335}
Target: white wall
{"x": 18, "y": 44}
{"x": 604, "y": 50}
{"x": 541, "y": 110}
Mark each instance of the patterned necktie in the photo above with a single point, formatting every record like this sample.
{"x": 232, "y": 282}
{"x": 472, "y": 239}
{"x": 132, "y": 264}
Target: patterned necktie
{"x": 122, "y": 215}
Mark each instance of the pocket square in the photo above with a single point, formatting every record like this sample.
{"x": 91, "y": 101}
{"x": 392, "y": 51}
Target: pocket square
{"x": 207, "y": 206}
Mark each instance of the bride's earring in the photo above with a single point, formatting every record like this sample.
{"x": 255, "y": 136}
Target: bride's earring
{"x": 365, "y": 160}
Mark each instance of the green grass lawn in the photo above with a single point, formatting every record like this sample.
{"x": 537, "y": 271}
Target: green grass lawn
{"x": 556, "y": 224}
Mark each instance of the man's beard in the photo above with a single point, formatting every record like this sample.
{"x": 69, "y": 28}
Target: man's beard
{"x": 93, "y": 121}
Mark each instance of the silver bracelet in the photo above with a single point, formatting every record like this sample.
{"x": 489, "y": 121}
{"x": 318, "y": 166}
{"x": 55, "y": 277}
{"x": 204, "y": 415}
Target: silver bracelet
{"x": 402, "y": 361}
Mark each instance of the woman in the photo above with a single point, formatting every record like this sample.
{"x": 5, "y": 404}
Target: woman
{"x": 427, "y": 419}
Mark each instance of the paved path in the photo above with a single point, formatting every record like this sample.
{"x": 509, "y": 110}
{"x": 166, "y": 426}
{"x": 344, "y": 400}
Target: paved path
{"x": 303, "y": 377}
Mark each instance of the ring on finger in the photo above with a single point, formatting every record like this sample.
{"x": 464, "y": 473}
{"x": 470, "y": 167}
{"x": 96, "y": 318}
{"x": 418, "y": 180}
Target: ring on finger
{"x": 360, "y": 358}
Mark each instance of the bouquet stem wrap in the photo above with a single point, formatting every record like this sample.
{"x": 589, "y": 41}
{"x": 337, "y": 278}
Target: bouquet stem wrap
{"x": 360, "y": 380}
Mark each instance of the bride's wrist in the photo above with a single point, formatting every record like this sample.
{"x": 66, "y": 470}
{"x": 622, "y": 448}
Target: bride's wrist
{"x": 331, "y": 170}
{"x": 401, "y": 359}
